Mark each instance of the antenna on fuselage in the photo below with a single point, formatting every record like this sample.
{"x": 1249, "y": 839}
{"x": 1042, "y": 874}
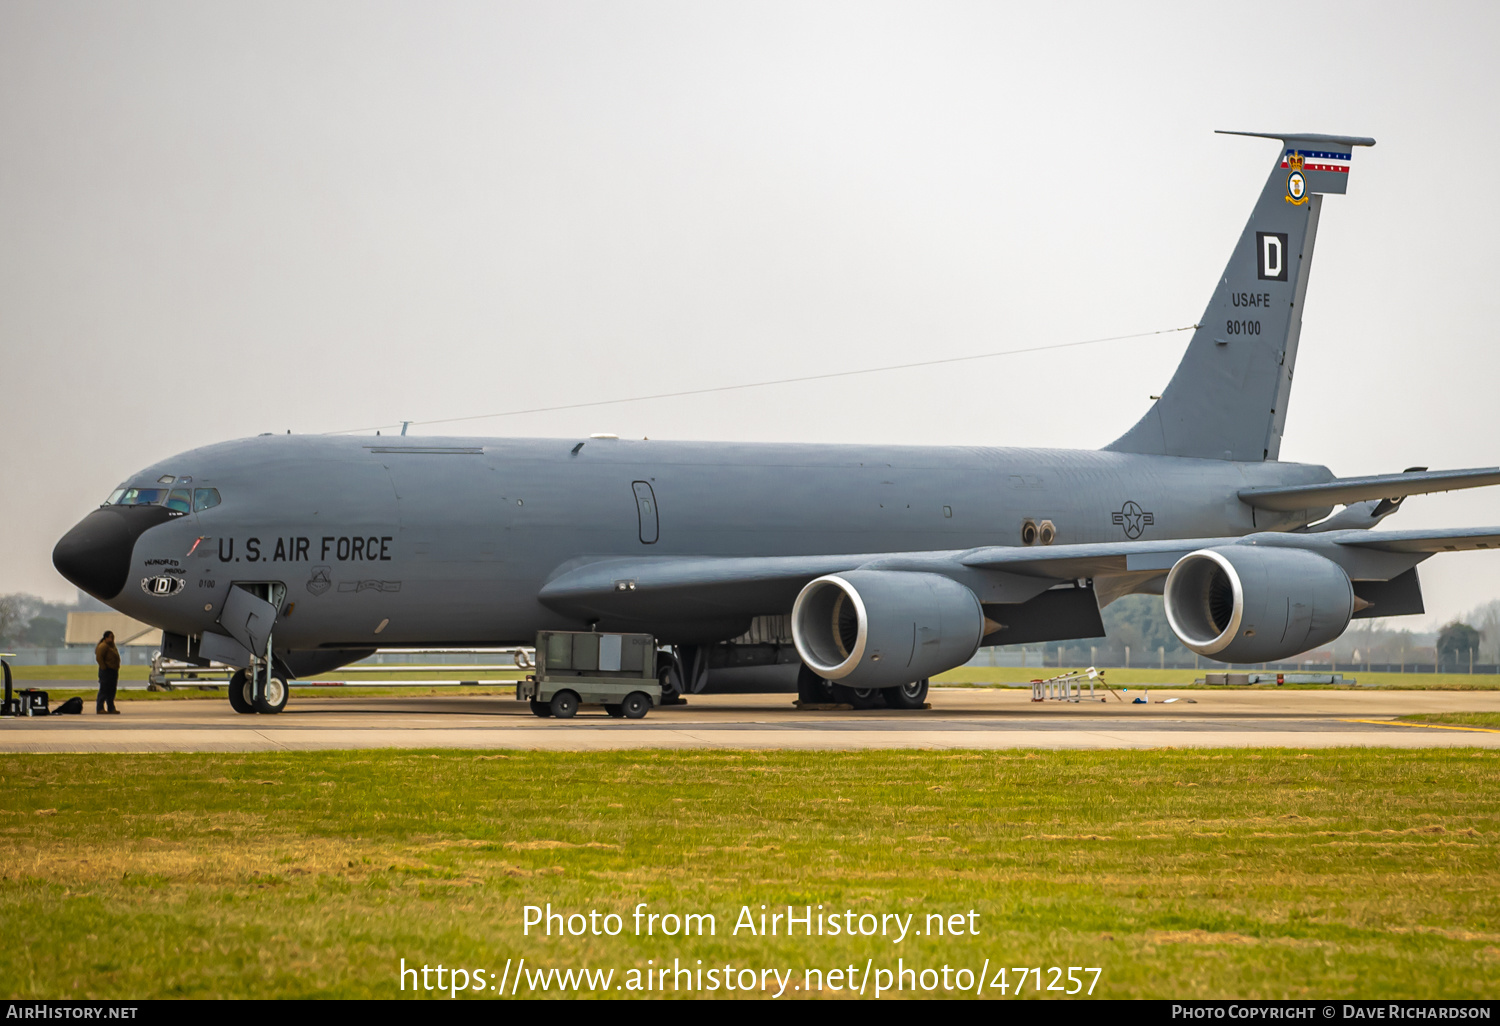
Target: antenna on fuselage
{"x": 404, "y": 424}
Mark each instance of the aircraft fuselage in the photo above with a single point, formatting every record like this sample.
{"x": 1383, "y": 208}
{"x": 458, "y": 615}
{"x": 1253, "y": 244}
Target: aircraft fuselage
{"x": 447, "y": 541}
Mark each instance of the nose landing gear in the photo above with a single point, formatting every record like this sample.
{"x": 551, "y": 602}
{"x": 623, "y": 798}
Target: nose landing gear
{"x": 272, "y": 694}
{"x": 256, "y": 691}
{"x": 240, "y": 698}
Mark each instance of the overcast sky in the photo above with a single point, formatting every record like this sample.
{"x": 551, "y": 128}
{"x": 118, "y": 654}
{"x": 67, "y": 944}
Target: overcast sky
{"x": 220, "y": 219}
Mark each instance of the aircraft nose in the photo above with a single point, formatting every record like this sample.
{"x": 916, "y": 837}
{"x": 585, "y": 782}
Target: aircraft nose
{"x": 95, "y": 554}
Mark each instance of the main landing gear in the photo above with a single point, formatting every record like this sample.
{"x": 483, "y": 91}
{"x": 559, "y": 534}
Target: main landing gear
{"x": 814, "y": 690}
{"x": 683, "y": 671}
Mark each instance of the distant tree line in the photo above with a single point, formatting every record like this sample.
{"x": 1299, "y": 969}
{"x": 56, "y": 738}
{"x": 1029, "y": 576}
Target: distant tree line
{"x": 28, "y": 621}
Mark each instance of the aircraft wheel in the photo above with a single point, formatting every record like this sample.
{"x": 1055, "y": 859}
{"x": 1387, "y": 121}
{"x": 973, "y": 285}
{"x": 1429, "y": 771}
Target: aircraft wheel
{"x": 541, "y": 709}
{"x": 274, "y": 697}
{"x": 614, "y": 710}
{"x": 635, "y": 705}
{"x": 564, "y": 705}
{"x": 860, "y": 698}
{"x": 907, "y": 696}
{"x": 239, "y": 693}
{"x": 811, "y": 688}
{"x": 669, "y": 695}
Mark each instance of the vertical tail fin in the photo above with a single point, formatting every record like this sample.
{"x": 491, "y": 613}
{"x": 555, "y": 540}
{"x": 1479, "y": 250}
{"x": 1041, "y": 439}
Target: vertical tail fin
{"x": 1229, "y": 396}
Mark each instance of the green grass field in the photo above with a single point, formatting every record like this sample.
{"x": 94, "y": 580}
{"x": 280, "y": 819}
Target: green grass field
{"x": 1180, "y": 874}
{"x": 81, "y": 672}
{"x": 1488, "y": 720}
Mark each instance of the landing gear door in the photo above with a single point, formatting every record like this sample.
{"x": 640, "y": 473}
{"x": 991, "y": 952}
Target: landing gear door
{"x": 248, "y": 619}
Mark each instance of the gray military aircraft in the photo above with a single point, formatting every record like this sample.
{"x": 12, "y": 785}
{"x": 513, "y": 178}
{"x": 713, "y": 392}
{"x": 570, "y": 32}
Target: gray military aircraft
{"x": 874, "y": 566}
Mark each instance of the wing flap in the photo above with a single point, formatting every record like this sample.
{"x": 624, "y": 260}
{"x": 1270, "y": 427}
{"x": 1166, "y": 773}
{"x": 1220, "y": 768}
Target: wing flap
{"x": 1065, "y": 562}
{"x": 1457, "y": 539}
{"x": 1345, "y": 490}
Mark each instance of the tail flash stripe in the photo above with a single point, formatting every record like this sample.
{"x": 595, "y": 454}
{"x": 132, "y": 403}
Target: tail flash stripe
{"x": 1319, "y": 160}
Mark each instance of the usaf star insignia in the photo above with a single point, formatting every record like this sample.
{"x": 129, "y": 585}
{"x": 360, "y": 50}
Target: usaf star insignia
{"x": 1133, "y": 520}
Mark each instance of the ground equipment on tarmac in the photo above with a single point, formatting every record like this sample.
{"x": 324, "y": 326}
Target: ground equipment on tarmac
{"x": 573, "y": 668}
{"x": 167, "y": 674}
{"x": 1068, "y": 687}
{"x": 1279, "y": 678}
{"x": 31, "y": 702}
{"x": 11, "y": 707}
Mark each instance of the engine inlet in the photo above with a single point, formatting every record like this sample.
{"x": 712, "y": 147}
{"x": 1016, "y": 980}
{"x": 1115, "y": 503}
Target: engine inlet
{"x": 1204, "y": 601}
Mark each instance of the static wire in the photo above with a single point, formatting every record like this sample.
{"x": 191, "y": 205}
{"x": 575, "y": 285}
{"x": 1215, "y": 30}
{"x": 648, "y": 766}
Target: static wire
{"x": 768, "y": 384}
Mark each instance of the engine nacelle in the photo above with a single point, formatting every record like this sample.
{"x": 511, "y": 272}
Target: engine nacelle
{"x": 1255, "y": 604}
{"x": 881, "y": 628}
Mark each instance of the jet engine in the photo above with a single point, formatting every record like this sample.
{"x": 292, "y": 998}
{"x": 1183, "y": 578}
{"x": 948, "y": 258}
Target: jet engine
{"x": 1253, "y": 604}
{"x": 881, "y": 628}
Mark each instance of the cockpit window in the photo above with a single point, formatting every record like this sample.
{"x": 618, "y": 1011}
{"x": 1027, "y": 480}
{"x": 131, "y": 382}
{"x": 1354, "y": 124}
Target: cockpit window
{"x": 182, "y": 500}
{"x": 141, "y": 497}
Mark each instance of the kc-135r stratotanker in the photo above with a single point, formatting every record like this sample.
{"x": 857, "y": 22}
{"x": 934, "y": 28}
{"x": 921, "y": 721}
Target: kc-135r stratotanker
{"x": 875, "y": 566}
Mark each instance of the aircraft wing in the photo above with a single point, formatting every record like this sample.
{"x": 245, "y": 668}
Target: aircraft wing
{"x": 1069, "y": 562}
{"x": 712, "y": 586}
{"x": 1345, "y": 490}
{"x": 1457, "y": 539}
{"x": 724, "y": 587}
{"x": 1352, "y": 549}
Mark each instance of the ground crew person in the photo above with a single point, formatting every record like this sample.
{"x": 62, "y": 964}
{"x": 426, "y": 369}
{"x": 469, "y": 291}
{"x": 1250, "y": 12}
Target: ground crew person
{"x": 108, "y": 658}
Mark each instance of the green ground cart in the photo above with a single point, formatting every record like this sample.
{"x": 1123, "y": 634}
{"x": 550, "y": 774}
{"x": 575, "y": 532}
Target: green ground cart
{"x": 573, "y": 668}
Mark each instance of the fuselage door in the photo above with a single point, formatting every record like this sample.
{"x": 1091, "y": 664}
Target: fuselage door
{"x": 645, "y": 507}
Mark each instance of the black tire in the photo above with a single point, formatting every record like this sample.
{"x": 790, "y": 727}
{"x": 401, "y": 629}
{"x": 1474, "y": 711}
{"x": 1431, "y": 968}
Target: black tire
{"x": 614, "y": 710}
{"x": 273, "y": 697}
{"x": 239, "y": 701}
{"x": 811, "y": 688}
{"x": 636, "y": 705}
{"x": 564, "y": 705}
{"x": 541, "y": 709}
{"x": 860, "y": 698}
{"x": 669, "y": 695}
{"x": 907, "y": 696}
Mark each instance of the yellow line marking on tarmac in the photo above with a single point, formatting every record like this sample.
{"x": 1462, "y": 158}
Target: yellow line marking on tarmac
{"x": 1433, "y": 726}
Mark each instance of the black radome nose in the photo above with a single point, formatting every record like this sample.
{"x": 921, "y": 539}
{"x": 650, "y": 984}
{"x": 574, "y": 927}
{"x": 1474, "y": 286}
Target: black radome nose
{"x": 95, "y": 554}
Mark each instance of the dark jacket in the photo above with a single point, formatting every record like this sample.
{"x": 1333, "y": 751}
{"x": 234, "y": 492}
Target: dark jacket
{"x": 106, "y": 655}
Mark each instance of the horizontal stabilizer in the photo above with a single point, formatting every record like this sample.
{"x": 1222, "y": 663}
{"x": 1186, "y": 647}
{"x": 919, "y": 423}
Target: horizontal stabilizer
{"x": 1345, "y": 490}
{"x": 1339, "y": 140}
